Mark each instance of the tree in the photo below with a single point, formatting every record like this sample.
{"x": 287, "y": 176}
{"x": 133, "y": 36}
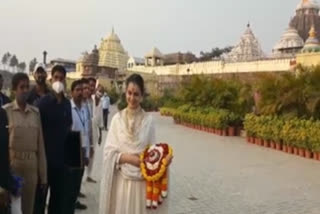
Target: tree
{"x": 22, "y": 66}
{"x": 13, "y": 62}
{"x": 215, "y": 53}
{"x": 5, "y": 59}
{"x": 32, "y": 64}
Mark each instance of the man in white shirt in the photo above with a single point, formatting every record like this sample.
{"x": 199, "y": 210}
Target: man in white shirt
{"x": 105, "y": 106}
{"x": 80, "y": 123}
{"x": 88, "y": 102}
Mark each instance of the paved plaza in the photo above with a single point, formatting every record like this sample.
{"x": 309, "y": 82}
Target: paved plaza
{"x": 225, "y": 175}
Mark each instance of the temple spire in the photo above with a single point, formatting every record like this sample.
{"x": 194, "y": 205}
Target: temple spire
{"x": 312, "y": 32}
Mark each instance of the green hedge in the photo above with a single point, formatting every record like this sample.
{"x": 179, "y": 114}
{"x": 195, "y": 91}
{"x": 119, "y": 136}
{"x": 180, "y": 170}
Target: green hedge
{"x": 207, "y": 117}
{"x": 296, "y": 132}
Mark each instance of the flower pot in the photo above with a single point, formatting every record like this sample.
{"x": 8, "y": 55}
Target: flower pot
{"x": 278, "y": 146}
{"x": 284, "y": 148}
{"x": 266, "y": 143}
{"x": 248, "y": 139}
{"x": 290, "y": 149}
{"x": 253, "y": 140}
{"x": 224, "y": 132}
{"x": 231, "y": 131}
{"x": 238, "y": 131}
{"x": 308, "y": 154}
{"x": 315, "y": 155}
{"x": 301, "y": 152}
{"x": 272, "y": 145}
{"x": 295, "y": 151}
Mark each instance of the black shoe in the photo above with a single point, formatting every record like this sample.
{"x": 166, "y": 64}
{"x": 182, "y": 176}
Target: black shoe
{"x": 79, "y": 206}
{"x": 81, "y": 195}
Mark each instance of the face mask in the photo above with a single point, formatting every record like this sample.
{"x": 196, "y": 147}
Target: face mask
{"x": 22, "y": 98}
{"x": 58, "y": 87}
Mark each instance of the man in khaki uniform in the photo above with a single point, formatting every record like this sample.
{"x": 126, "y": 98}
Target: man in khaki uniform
{"x": 26, "y": 146}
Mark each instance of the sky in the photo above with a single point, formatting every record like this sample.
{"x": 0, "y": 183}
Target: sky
{"x": 66, "y": 28}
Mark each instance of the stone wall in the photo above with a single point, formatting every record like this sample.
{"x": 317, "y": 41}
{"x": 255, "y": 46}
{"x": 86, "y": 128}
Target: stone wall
{"x": 218, "y": 67}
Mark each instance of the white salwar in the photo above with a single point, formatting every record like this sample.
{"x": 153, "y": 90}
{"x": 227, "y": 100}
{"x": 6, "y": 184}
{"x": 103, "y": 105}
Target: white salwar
{"x": 123, "y": 190}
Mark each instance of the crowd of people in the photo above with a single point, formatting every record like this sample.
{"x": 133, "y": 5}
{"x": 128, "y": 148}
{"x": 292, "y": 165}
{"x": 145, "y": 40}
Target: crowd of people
{"x": 34, "y": 130}
{"x": 48, "y": 137}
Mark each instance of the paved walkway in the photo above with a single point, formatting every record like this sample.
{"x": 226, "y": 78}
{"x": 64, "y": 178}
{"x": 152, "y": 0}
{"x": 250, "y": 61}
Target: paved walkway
{"x": 223, "y": 175}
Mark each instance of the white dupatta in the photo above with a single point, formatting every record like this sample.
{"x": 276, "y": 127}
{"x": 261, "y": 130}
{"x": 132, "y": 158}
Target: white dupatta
{"x": 121, "y": 140}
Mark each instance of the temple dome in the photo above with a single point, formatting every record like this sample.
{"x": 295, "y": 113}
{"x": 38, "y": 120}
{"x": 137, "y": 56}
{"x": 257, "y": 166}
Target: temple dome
{"x": 307, "y": 15}
{"x": 308, "y": 4}
{"x": 112, "y": 53}
{"x": 247, "y": 49}
{"x": 312, "y": 44}
{"x": 290, "y": 43}
{"x": 155, "y": 52}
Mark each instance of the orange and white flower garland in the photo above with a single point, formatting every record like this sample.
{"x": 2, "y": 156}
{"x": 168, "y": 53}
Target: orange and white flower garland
{"x": 154, "y": 168}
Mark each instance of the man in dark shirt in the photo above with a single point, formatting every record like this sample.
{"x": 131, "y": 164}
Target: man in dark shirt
{"x": 4, "y": 163}
{"x": 41, "y": 88}
{"x": 3, "y": 98}
{"x": 55, "y": 111}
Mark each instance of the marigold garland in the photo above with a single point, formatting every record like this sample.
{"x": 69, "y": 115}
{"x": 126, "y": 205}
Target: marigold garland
{"x": 156, "y": 179}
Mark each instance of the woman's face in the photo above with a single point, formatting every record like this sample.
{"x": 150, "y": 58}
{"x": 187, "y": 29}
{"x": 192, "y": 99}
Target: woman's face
{"x": 133, "y": 96}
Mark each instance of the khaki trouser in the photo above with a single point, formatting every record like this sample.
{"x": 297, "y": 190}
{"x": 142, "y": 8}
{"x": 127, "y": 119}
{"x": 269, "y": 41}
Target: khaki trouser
{"x": 24, "y": 164}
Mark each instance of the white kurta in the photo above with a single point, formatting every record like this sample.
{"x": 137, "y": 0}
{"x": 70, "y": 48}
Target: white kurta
{"x": 123, "y": 190}
{"x": 97, "y": 120}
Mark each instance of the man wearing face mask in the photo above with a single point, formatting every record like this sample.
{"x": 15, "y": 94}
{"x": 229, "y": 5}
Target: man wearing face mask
{"x": 26, "y": 151}
{"x": 41, "y": 88}
{"x": 55, "y": 111}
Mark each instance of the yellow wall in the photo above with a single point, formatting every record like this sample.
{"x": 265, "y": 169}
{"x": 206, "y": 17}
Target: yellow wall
{"x": 217, "y": 67}
{"x": 308, "y": 59}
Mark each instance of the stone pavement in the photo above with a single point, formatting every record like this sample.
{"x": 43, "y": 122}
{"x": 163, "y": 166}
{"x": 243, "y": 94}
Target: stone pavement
{"x": 224, "y": 175}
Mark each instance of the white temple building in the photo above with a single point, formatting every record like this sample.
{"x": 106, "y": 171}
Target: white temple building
{"x": 248, "y": 49}
{"x": 289, "y": 45}
{"x": 112, "y": 53}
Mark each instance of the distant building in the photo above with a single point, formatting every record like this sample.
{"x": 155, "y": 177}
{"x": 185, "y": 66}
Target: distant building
{"x": 179, "y": 58}
{"x": 307, "y": 15}
{"x": 135, "y": 61}
{"x": 69, "y": 65}
{"x": 248, "y": 48}
{"x": 289, "y": 45}
{"x": 110, "y": 60}
{"x": 154, "y": 58}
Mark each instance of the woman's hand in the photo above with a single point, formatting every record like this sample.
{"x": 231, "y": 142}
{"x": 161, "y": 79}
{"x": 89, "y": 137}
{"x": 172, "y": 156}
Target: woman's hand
{"x": 131, "y": 159}
{"x": 169, "y": 159}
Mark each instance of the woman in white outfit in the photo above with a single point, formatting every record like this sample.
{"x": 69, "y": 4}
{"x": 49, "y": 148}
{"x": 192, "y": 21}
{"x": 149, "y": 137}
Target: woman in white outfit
{"x": 123, "y": 190}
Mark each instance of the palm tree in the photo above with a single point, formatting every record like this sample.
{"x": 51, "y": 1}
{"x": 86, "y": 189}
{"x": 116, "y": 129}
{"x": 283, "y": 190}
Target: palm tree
{"x": 32, "y": 64}
{"x": 22, "y": 67}
{"x": 13, "y": 62}
{"x": 5, "y": 59}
